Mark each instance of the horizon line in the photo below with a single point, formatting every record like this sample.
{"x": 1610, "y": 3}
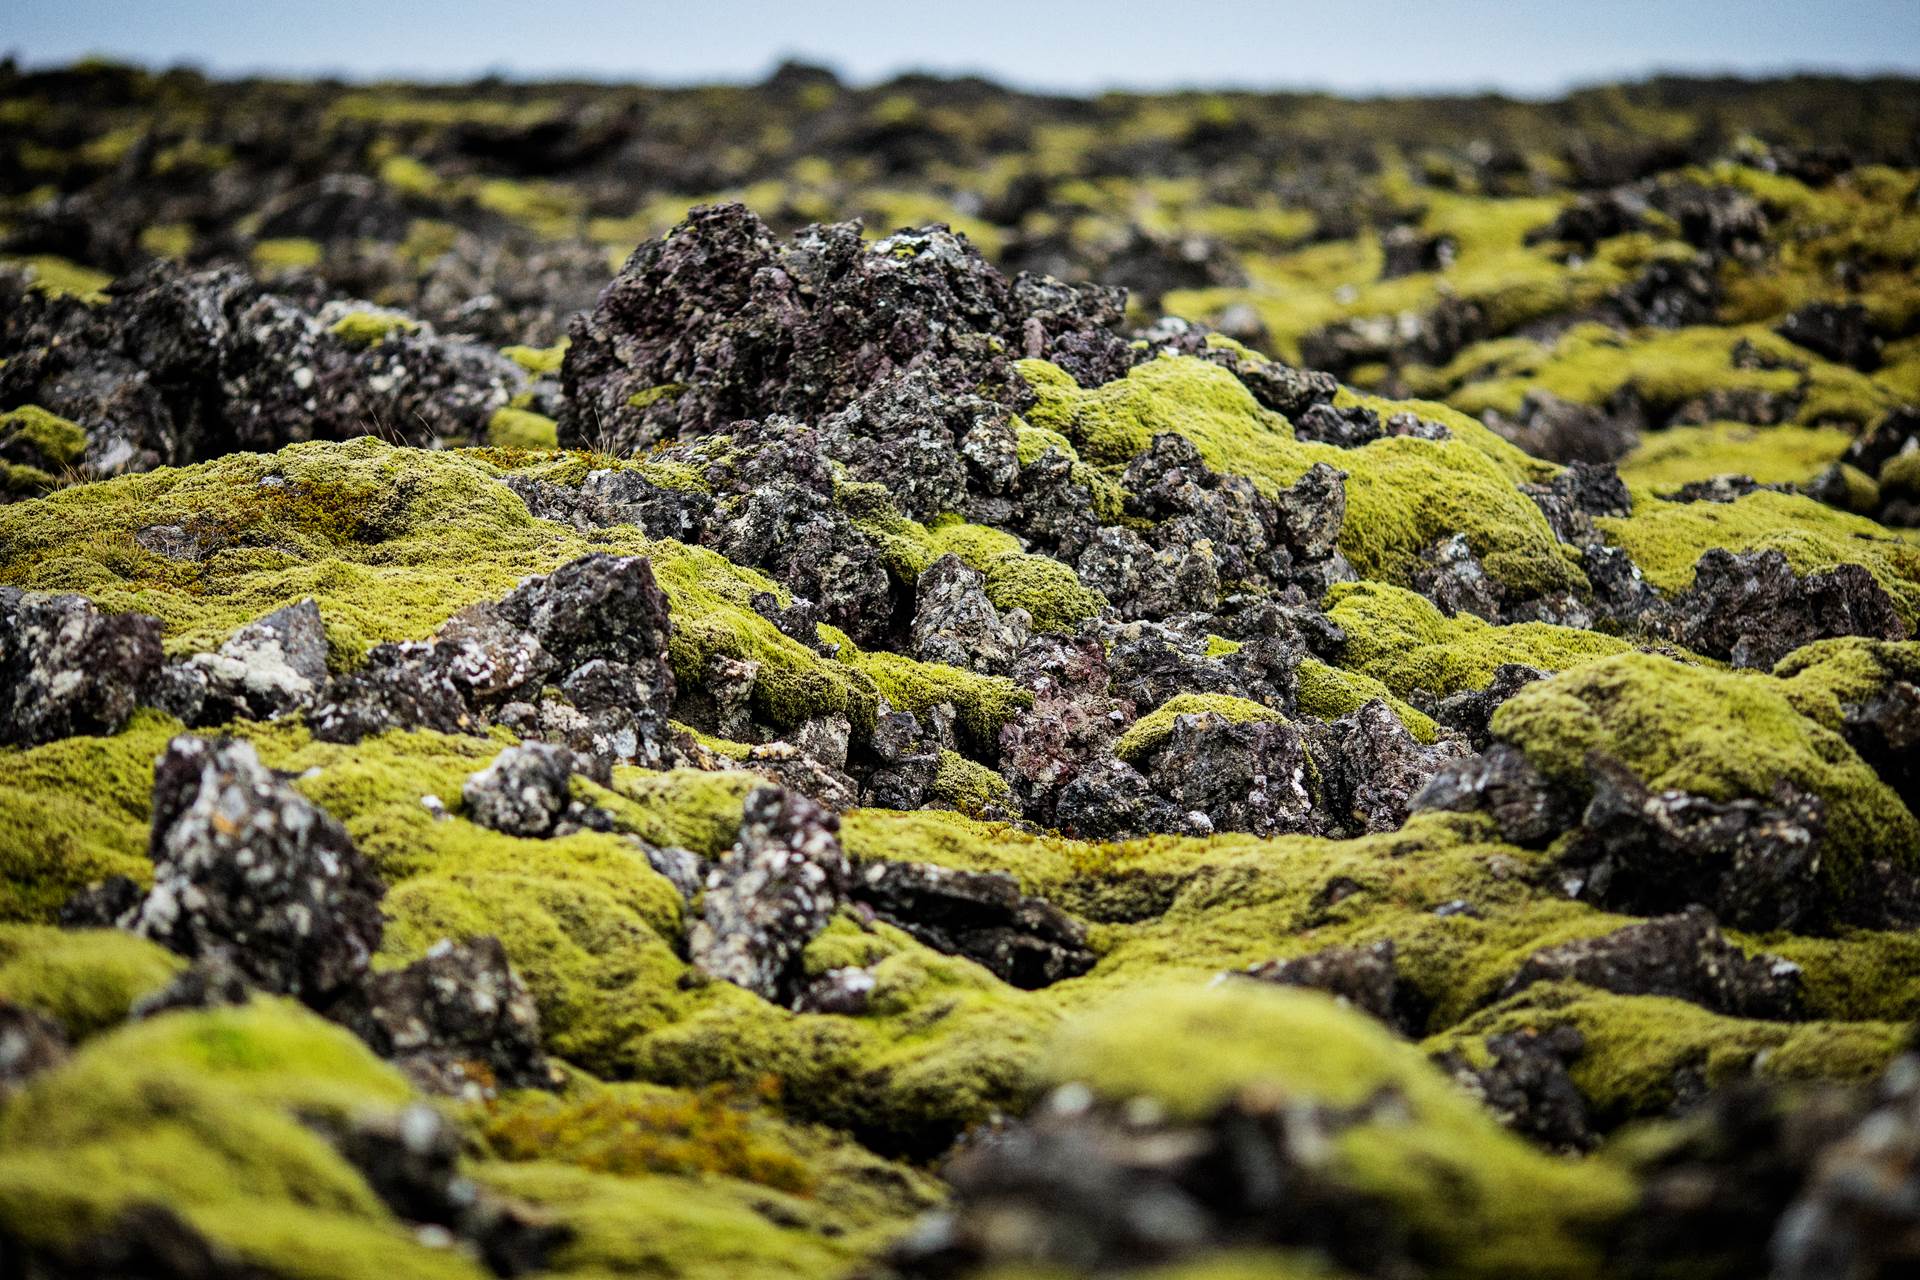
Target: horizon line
{"x": 561, "y": 76}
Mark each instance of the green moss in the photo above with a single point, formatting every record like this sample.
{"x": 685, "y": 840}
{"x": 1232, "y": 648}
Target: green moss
{"x": 1666, "y": 539}
{"x": 52, "y": 441}
{"x": 713, "y": 615}
{"x": 654, "y": 395}
{"x": 1859, "y": 976}
{"x": 389, "y": 541}
{"x": 1511, "y": 282}
{"x": 1666, "y": 368}
{"x": 541, "y": 362}
{"x": 1243, "y": 1264}
{"x": 427, "y": 240}
{"x": 86, "y": 980}
{"x": 59, "y": 278}
{"x": 1403, "y": 494}
{"x": 684, "y": 807}
{"x": 1477, "y": 1199}
{"x": 203, "y": 1111}
{"x": 721, "y": 1148}
{"x": 1665, "y": 460}
{"x": 1328, "y": 693}
{"x": 985, "y": 703}
{"x": 1146, "y": 734}
{"x": 1031, "y": 443}
{"x": 1048, "y": 590}
{"x": 1823, "y": 680}
{"x": 669, "y": 1226}
{"x": 1724, "y": 735}
{"x": 548, "y": 209}
{"x": 968, "y": 786}
{"x": 629, "y": 1130}
{"x": 409, "y": 176}
{"x": 1404, "y": 641}
{"x": 288, "y": 254}
{"x": 1642, "y": 1050}
{"x": 17, "y": 480}
{"x": 1901, "y": 475}
{"x": 371, "y": 328}
{"x": 76, "y": 811}
{"x": 521, "y": 429}
{"x": 944, "y": 1044}
{"x": 1861, "y": 491}
{"x": 192, "y": 156}
{"x": 584, "y": 918}
{"x": 386, "y": 105}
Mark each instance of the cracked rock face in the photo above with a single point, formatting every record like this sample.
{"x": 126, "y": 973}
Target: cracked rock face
{"x": 1683, "y": 956}
{"x": 812, "y": 323}
{"x": 1756, "y": 865}
{"x": 1238, "y": 777}
{"x": 247, "y": 868}
{"x": 1370, "y": 768}
{"x": 955, "y": 623}
{"x": 180, "y": 366}
{"x": 768, "y": 895}
{"x": 983, "y": 916}
{"x": 597, "y": 627}
{"x": 1753, "y": 610}
{"x": 269, "y": 668}
{"x": 66, "y": 668}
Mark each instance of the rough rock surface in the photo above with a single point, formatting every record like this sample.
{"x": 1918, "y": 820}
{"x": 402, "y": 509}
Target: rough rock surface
{"x": 1028, "y": 942}
{"x": 523, "y": 792}
{"x": 269, "y": 668}
{"x": 1682, "y": 955}
{"x": 768, "y": 895}
{"x": 1091, "y": 1187}
{"x": 67, "y": 668}
{"x": 1753, "y": 610}
{"x": 640, "y": 369}
{"x": 1362, "y": 977}
{"x": 248, "y": 869}
{"x": 596, "y": 628}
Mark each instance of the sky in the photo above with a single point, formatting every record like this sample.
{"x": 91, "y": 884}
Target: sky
{"x": 1526, "y": 47}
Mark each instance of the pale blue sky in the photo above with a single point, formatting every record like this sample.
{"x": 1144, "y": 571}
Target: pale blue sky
{"x": 1521, "y": 46}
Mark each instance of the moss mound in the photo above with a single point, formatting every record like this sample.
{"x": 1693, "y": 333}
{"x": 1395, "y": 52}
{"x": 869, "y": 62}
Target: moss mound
{"x": 1723, "y": 735}
{"x": 1483, "y": 1201}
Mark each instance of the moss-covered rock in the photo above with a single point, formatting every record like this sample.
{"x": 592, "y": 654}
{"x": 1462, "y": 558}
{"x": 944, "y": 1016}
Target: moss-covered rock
{"x": 1643, "y": 1053}
{"x": 206, "y": 1112}
{"x": 1723, "y": 735}
{"x": 1146, "y": 734}
{"x": 1403, "y": 640}
{"x": 1403, "y": 494}
{"x": 1666, "y": 539}
{"x": 1474, "y": 1197}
